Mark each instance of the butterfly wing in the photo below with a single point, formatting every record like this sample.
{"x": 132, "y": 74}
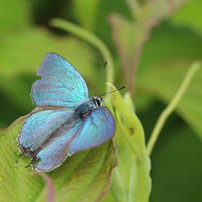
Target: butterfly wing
{"x": 52, "y": 134}
{"x": 55, "y": 152}
{"x": 61, "y": 84}
{"x": 39, "y": 126}
{"x": 98, "y": 127}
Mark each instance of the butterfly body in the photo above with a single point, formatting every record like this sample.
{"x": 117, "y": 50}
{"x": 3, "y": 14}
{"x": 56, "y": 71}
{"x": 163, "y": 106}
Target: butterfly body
{"x": 65, "y": 120}
{"x": 83, "y": 110}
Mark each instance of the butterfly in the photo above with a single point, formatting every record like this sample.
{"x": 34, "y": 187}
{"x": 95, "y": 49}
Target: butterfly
{"x": 66, "y": 120}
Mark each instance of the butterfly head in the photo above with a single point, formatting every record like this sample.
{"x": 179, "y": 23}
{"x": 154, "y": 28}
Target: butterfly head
{"x": 97, "y": 101}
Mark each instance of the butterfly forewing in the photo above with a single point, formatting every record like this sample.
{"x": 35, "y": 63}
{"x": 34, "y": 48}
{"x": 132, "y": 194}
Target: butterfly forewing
{"x": 61, "y": 84}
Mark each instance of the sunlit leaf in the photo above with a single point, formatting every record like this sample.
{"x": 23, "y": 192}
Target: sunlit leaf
{"x": 85, "y": 176}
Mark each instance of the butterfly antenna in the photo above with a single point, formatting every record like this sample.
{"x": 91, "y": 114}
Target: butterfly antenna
{"x": 101, "y": 77}
{"x": 17, "y": 159}
{"x": 113, "y": 91}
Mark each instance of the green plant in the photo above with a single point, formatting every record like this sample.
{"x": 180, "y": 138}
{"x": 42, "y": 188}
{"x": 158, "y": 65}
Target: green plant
{"x": 154, "y": 62}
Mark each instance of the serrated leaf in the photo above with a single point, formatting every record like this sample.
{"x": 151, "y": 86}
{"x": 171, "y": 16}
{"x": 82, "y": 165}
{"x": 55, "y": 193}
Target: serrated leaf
{"x": 85, "y": 176}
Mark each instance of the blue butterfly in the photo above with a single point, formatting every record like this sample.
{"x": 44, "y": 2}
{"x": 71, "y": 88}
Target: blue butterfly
{"x": 66, "y": 120}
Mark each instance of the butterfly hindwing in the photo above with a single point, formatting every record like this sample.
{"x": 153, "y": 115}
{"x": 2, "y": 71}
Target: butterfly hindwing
{"x": 98, "y": 127}
{"x": 39, "y": 126}
{"x": 61, "y": 84}
{"x": 56, "y": 151}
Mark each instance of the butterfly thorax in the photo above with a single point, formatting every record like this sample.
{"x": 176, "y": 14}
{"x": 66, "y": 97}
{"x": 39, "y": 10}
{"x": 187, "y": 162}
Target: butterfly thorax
{"x": 83, "y": 110}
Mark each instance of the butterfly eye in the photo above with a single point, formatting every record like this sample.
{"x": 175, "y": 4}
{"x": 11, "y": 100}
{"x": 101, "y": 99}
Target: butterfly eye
{"x": 98, "y": 103}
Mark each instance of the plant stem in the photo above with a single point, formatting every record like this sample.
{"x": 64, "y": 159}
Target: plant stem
{"x": 135, "y": 9}
{"x": 90, "y": 38}
{"x": 170, "y": 108}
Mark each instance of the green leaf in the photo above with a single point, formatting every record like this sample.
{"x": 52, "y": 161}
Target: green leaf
{"x": 85, "y": 176}
{"x": 176, "y": 165}
{"x": 130, "y": 119}
{"x": 24, "y": 51}
{"x": 85, "y": 12}
{"x": 129, "y": 131}
{"x": 189, "y": 16}
{"x": 117, "y": 186}
{"x": 164, "y": 83}
{"x": 129, "y": 101}
{"x": 168, "y": 43}
{"x": 165, "y": 60}
{"x": 14, "y": 15}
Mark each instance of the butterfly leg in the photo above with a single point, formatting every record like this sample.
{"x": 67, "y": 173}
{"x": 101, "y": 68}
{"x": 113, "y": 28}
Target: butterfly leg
{"x": 28, "y": 165}
{"x": 17, "y": 159}
{"x": 34, "y": 159}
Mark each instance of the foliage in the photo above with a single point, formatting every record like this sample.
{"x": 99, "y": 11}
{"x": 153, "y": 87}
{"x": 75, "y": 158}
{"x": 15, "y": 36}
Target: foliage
{"x": 84, "y": 176}
{"x": 149, "y": 46}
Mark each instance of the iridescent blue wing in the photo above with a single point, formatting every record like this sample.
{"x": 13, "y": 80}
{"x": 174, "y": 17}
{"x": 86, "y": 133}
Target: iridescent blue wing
{"x": 39, "y": 126}
{"x": 98, "y": 127}
{"x": 61, "y": 84}
{"x": 55, "y": 152}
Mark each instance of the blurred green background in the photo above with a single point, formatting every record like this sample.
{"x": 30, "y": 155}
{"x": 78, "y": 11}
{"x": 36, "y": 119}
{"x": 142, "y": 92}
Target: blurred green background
{"x": 159, "y": 40}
